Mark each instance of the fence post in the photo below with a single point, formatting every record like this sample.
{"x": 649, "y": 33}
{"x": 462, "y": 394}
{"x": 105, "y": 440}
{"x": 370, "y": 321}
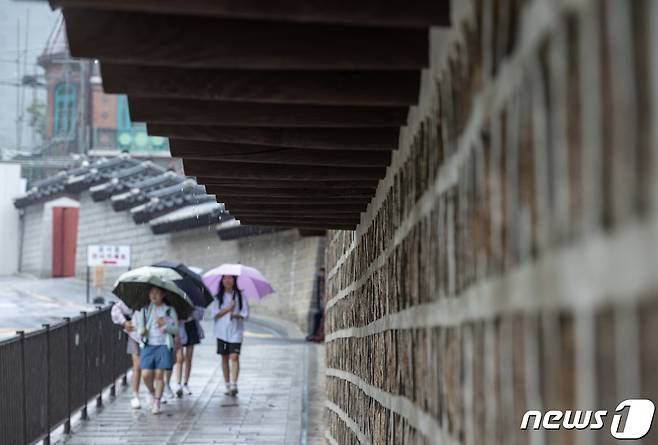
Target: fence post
{"x": 112, "y": 360}
{"x": 21, "y": 335}
{"x": 67, "y": 423}
{"x": 99, "y": 357}
{"x": 46, "y": 440}
{"x": 124, "y": 379}
{"x": 83, "y": 411}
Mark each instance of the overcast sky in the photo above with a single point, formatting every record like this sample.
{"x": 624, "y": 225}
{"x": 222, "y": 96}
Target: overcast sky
{"x": 42, "y": 20}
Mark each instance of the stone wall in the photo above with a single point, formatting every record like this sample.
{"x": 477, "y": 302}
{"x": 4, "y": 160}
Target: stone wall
{"x": 100, "y": 224}
{"x": 291, "y": 263}
{"x": 288, "y": 260}
{"x": 508, "y": 260}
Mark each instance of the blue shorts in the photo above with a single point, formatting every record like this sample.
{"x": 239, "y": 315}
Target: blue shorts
{"x": 156, "y": 357}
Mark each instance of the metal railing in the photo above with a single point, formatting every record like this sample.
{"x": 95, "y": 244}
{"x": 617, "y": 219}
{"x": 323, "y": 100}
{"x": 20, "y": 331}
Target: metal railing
{"x": 49, "y": 374}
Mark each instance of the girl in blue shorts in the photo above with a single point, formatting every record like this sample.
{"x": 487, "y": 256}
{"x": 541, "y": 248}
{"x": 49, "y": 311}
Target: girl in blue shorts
{"x": 156, "y": 324}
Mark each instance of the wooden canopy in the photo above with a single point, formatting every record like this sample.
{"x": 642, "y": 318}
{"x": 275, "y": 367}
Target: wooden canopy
{"x": 287, "y": 110}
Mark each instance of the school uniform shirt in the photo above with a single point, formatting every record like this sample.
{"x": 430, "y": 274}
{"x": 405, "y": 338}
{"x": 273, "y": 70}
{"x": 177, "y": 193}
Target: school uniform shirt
{"x": 229, "y": 329}
{"x": 156, "y": 335}
{"x": 121, "y": 313}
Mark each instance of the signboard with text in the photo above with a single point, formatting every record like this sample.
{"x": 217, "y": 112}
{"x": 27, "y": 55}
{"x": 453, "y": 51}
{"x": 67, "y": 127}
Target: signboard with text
{"x": 108, "y": 255}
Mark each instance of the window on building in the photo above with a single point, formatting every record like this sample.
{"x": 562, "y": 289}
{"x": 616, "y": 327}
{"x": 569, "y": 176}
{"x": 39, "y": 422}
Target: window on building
{"x": 123, "y": 114}
{"x": 65, "y": 109}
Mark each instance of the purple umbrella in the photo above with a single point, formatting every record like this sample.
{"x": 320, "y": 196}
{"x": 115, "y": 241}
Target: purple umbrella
{"x": 251, "y": 282}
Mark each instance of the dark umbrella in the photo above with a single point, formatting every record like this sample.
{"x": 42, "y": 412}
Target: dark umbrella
{"x": 191, "y": 283}
{"x": 132, "y": 288}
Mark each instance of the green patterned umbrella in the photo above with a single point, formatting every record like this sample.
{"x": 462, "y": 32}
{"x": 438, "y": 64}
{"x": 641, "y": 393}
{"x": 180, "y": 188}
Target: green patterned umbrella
{"x": 132, "y": 288}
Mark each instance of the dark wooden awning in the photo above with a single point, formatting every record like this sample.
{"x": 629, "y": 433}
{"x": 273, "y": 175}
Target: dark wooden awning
{"x": 287, "y": 110}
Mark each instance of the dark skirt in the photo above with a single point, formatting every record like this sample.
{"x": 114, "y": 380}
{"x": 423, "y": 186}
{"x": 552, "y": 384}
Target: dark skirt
{"x": 192, "y": 331}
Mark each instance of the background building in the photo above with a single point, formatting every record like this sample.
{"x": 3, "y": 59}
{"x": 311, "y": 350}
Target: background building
{"x": 78, "y": 119}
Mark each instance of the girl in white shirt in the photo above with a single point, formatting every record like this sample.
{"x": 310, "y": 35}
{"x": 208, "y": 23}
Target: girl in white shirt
{"x": 229, "y": 310}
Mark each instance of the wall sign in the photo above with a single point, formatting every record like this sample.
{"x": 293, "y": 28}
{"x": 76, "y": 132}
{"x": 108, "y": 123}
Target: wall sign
{"x": 108, "y": 255}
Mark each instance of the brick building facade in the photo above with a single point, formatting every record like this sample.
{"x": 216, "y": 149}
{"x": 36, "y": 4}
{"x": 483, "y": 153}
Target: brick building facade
{"x": 81, "y": 119}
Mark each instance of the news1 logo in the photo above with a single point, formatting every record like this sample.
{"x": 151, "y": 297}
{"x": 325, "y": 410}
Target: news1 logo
{"x": 632, "y": 419}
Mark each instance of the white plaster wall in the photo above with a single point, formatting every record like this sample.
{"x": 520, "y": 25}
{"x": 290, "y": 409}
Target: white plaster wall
{"x": 11, "y": 186}
{"x": 33, "y": 234}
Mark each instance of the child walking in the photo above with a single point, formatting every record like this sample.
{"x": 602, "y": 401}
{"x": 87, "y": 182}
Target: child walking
{"x": 122, "y": 316}
{"x": 191, "y": 334}
{"x": 157, "y": 323}
{"x": 229, "y": 310}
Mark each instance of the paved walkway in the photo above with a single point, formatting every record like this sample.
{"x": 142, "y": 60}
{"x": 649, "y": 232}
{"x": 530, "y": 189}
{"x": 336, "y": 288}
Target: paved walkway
{"x": 27, "y": 303}
{"x": 271, "y": 407}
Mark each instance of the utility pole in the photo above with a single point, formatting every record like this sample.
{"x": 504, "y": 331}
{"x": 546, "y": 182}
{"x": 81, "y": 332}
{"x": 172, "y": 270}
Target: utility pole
{"x": 19, "y": 128}
{"x": 20, "y": 80}
{"x": 84, "y": 135}
{"x": 21, "y": 69}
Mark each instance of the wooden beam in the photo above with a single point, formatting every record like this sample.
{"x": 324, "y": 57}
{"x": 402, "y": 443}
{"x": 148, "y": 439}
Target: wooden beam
{"x": 299, "y": 195}
{"x": 205, "y": 112}
{"x": 300, "y": 200}
{"x": 245, "y": 170}
{"x": 299, "y": 208}
{"x": 377, "y": 88}
{"x": 207, "y": 42}
{"x": 353, "y": 218}
{"x": 349, "y": 187}
{"x": 320, "y": 223}
{"x": 359, "y": 206}
{"x": 300, "y": 217}
{"x": 408, "y": 13}
{"x": 221, "y": 151}
{"x": 293, "y": 204}
{"x": 273, "y": 214}
{"x": 384, "y": 138}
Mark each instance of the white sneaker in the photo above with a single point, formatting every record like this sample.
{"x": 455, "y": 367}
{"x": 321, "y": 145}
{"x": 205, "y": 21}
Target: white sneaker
{"x": 186, "y": 390}
{"x": 227, "y": 392}
{"x": 150, "y": 398}
{"x": 234, "y": 389}
{"x": 135, "y": 403}
{"x": 168, "y": 394}
{"x": 155, "y": 409}
{"x": 179, "y": 391}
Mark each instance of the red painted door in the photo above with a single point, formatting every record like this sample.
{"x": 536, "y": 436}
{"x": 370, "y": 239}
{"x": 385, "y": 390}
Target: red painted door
{"x": 65, "y": 237}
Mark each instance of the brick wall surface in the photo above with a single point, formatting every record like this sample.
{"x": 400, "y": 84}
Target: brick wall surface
{"x": 508, "y": 259}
